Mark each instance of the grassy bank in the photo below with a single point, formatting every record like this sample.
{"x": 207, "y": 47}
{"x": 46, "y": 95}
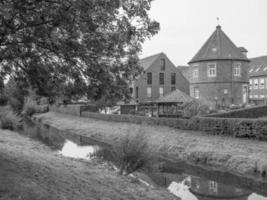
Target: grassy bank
{"x": 238, "y": 156}
{"x": 30, "y": 170}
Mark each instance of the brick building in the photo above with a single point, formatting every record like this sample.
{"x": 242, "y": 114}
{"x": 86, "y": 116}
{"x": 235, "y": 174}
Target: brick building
{"x": 159, "y": 78}
{"x": 218, "y": 73}
{"x": 258, "y": 80}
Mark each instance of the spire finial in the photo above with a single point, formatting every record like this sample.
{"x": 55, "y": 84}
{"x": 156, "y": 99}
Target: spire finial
{"x": 218, "y": 23}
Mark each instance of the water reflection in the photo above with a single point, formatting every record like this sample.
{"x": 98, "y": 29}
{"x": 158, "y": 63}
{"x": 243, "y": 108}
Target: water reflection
{"x": 179, "y": 180}
{"x": 189, "y": 187}
{"x": 70, "y": 149}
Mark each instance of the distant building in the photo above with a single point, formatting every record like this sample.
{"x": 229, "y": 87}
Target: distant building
{"x": 218, "y": 73}
{"x": 258, "y": 80}
{"x": 159, "y": 78}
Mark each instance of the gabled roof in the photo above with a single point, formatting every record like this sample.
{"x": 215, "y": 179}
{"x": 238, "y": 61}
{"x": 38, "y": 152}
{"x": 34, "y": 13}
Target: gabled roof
{"x": 218, "y": 47}
{"x": 148, "y": 61}
{"x": 175, "y": 96}
{"x": 258, "y": 66}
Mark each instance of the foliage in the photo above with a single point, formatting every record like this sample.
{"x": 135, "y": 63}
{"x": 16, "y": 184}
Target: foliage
{"x": 252, "y": 112}
{"x": 3, "y": 100}
{"x": 9, "y": 120}
{"x": 195, "y": 108}
{"x": 132, "y": 151}
{"x": 15, "y": 93}
{"x": 60, "y": 46}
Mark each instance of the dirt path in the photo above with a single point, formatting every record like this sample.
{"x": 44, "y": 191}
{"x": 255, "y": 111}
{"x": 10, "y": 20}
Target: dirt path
{"x": 239, "y": 156}
{"x": 30, "y": 170}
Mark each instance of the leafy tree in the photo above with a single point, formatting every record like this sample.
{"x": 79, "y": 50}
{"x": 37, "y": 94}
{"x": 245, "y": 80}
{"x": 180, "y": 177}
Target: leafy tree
{"x": 54, "y": 43}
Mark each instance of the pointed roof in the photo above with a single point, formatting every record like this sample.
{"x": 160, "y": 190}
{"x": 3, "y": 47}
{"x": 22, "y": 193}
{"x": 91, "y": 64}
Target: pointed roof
{"x": 175, "y": 96}
{"x": 219, "y": 47}
{"x": 148, "y": 61}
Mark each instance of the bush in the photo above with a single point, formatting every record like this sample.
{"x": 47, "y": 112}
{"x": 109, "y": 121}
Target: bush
{"x": 9, "y": 120}
{"x": 15, "y": 94}
{"x": 3, "y": 100}
{"x": 132, "y": 151}
{"x": 29, "y": 108}
{"x": 195, "y": 108}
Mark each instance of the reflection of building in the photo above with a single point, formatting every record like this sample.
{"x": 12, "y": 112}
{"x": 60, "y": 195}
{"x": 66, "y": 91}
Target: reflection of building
{"x": 211, "y": 190}
{"x": 258, "y": 80}
{"x": 218, "y": 73}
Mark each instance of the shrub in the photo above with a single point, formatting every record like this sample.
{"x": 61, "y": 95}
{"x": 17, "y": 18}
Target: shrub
{"x": 132, "y": 151}
{"x": 195, "y": 108}
{"x": 15, "y": 94}
{"x": 29, "y": 108}
{"x": 3, "y": 100}
{"x": 9, "y": 120}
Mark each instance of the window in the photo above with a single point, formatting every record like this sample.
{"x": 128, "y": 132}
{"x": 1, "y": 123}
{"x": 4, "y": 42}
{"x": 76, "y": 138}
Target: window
{"x": 213, "y": 187}
{"x": 250, "y": 84}
{"x": 161, "y": 78}
{"x": 225, "y": 91}
{"x": 162, "y": 64}
{"x": 195, "y": 73}
{"x": 255, "y": 96}
{"x": 173, "y": 78}
{"x": 173, "y": 88}
{"x": 261, "y": 96}
{"x": 161, "y": 91}
{"x": 131, "y": 91}
{"x": 261, "y": 86}
{"x": 211, "y": 69}
{"x": 196, "y": 93}
{"x": 255, "y": 84}
{"x": 237, "y": 69}
{"x": 149, "y": 92}
{"x": 136, "y": 92}
{"x": 149, "y": 78}
{"x": 250, "y": 96}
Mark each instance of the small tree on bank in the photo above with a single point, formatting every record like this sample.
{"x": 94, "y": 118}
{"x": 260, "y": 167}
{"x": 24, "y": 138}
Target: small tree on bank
{"x": 132, "y": 152}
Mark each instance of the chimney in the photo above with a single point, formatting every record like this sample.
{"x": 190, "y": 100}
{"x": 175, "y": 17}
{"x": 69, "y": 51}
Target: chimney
{"x": 243, "y": 50}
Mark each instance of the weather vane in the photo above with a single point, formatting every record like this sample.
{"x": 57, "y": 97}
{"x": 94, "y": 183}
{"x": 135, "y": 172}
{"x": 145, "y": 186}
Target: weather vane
{"x": 218, "y": 21}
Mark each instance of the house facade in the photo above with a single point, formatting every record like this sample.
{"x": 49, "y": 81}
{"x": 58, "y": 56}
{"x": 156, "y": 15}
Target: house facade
{"x": 258, "y": 80}
{"x": 218, "y": 73}
{"x": 159, "y": 78}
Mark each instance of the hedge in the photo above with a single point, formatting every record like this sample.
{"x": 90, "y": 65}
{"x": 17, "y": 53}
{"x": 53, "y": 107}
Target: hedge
{"x": 253, "y": 112}
{"x": 73, "y": 109}
{"x": 234, "y": 127}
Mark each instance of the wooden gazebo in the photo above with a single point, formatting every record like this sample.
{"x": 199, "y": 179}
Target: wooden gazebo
{"x": 173, "y": 104}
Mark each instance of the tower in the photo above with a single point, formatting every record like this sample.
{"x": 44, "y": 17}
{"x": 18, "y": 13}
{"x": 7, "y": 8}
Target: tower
{"x": 219, "y": 72}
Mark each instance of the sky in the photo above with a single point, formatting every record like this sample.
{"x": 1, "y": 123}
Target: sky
{"x": 187, "y": 24}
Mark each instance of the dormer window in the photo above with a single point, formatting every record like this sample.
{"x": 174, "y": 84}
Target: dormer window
{"x": 162, "y": 64}
{"x": 212, "y": 70}
{"x": 237, "y": 69}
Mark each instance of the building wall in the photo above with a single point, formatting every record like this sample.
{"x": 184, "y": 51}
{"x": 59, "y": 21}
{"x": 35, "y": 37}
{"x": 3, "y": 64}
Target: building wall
{"x": 212, "y": 88}
{"x": 258, "y": 94}
{"x": 181, "y": 82}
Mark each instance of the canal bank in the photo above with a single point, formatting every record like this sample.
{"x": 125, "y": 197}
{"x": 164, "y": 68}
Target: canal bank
{"x": 30, "y": 170}
{"x": 242, "y": 157}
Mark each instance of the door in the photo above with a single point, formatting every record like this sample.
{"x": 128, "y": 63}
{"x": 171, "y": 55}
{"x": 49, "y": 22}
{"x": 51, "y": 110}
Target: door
{"x": 245, "y": 94}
